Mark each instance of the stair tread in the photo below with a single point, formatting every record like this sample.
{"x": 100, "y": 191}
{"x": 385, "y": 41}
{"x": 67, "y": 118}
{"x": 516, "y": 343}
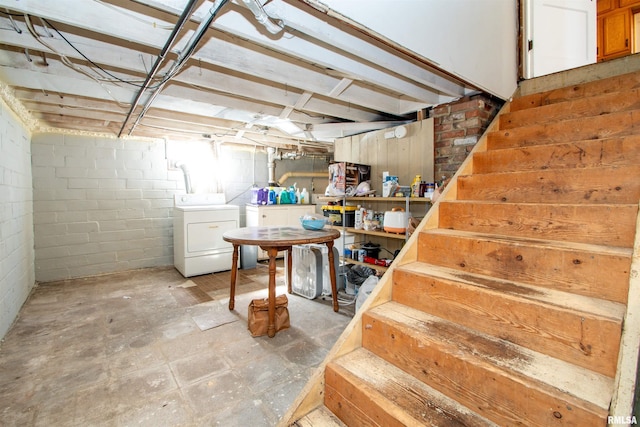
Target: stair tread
{"x": 319, "y": 417}
{"x": 596, "y": 127}
{"x": 602, "y": 152}
{"x": 588, "y": 305}
{"x": 557, "y": 221}
{"x": 525, "y": 366}
{"x": 390, "y": 386}
{"x": 530, "y": 241}
{"x": 613, "y": 84}
{"x": 598, "y": 104}
{"x": 592, "y": 185}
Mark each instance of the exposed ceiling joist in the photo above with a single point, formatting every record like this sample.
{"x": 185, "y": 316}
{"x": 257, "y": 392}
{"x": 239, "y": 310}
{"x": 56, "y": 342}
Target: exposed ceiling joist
{"x": 316, "y": 78}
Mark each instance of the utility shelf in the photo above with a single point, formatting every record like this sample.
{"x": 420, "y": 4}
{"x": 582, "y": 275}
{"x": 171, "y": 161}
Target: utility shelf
{"x": 368, "y": 232}
{"x": 374, "y": 199}
{"x": 366, "y": 264}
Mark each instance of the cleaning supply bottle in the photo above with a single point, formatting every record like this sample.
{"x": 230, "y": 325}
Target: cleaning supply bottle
{"x": 304, "y": 197}
{"x": 298, "y": 201}
{"x": 358, "y": 220}
{"x": 415, "y": 186}
{"x": 272, "y": 196}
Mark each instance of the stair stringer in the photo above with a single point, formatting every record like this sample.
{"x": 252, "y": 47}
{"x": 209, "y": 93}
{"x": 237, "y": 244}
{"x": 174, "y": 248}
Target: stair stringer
{"x": 625, "y": 386}
{"x": 312, "y": 395}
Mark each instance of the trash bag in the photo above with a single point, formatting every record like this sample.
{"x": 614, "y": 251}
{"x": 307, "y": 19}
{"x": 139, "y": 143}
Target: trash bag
{"x": 359, "y": 273}
{"x": 365, "y": 290}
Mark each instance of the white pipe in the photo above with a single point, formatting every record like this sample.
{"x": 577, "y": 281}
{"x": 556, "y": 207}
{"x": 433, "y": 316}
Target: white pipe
{"x": 288, "y": 175}
{"x": 271, "y": 165}
{"x": 187, "y": 177}
{"x": 262, "y": 17}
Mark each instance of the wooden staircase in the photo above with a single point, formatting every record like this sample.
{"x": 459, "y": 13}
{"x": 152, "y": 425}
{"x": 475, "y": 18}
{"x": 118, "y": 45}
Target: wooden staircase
{"x": 506, "y": 307}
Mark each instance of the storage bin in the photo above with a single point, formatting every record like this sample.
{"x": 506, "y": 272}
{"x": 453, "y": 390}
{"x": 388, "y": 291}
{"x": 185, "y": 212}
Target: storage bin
{"x": 336, "y": 214}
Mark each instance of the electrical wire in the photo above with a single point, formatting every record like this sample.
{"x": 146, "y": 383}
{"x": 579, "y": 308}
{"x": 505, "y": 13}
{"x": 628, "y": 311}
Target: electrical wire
{"x": 90, "y": 61}
{"x": 66, "y": 61}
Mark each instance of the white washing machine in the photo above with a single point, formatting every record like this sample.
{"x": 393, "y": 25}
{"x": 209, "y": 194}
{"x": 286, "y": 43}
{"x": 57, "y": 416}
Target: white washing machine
{"x": 199, "y": 220}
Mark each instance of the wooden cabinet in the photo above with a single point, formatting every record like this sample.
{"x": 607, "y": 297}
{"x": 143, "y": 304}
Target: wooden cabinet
{"x": 616, "y": 34}
{"x": 605, "y": 6}
{"x": 276, "y": 215}
{"x": 615, "y": 28}
{"x": 625, "y": 3}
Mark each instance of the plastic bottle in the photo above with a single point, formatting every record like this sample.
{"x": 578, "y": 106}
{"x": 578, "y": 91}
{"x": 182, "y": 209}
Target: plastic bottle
{"x": 415, "y": 186}
{"x": 358, "y": 220}
{"x": 298, "y": 201}
{"x": 292, "y": 195}
{"x": 304, "y": 197}
{"x": 272, "y": 196}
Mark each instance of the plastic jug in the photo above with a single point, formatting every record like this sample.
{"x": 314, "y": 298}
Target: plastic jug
{"x": 284, "y": 198}
{"x": 304, "y": 197}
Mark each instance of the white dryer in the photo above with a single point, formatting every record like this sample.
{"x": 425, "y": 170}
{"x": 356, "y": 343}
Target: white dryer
{"x": 199, "y": 220}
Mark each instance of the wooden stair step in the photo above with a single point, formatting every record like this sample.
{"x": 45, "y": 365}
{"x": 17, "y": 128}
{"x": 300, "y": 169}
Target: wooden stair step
{"x": 363, "y": 389}
{"x": 589, "y": 270}
{"x": 608, "y": 185}
{"x": 573, "y": 109}
{"x": 581, "y": 330}
{"x": 620, "y": 83}
{"x": 505, "y": 383}
{"x": 319, "y": 417}
{"x": 564, "y": 222}
{"x": 605, "y": 126}
{"x": 624, "y": 150}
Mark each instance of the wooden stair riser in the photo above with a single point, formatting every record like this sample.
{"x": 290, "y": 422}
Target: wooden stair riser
{"x": 502, "y": 396}
{"x": 321, "y": 416}
{"x": 616, "y": 84}
{"x": 606, "y": 126}
{"x": 504, "y": 311}
{"x": 590, "y": 224}
{"x": 342, "y": 398}
{"x": 612, "y": 185}
{"x": 568, "y": 269}
{"x": 364, "y": 389}
{"x": 618, "y": 151}
{"x": 574, "y": 109}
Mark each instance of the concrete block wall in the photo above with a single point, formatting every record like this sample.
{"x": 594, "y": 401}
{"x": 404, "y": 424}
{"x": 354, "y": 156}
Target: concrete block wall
{"x": 105, "y": 205}
{"x": 101, "y": 205}
{"x": 17, "y": 276}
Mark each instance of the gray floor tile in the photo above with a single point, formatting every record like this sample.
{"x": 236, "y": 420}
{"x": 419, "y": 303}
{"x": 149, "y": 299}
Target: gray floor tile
{"x": 121, "y": 350}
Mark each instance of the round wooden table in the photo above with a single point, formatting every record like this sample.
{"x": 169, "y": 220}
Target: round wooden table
{"x": 272, "y": 240}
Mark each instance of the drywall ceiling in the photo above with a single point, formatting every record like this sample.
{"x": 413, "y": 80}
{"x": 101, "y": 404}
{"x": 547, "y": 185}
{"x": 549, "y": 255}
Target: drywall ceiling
{"x": 292, "y": 76}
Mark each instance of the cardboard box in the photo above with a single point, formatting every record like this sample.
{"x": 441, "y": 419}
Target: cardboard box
{"x": 344, "y": 177}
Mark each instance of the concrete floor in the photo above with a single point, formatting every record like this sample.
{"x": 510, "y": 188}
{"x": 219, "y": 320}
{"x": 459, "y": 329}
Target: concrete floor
{"x": 142, "y": 348}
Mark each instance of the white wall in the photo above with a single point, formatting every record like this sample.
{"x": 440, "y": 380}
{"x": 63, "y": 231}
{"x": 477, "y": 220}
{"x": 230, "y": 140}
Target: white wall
{"x": 104, "y": 205}
{"x": 16, "y": 218}
{"x": 101, "y": 205}
{"x": 474, "y": 39}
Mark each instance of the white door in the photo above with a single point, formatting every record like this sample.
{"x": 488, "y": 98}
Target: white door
{"x": 559, "y": 35}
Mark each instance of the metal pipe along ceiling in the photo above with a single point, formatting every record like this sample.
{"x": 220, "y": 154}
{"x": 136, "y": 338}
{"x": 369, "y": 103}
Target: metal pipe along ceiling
{"x": 187, "y": 52}
{"x": 188, "y": 10}
{"x": 182, "y": 58}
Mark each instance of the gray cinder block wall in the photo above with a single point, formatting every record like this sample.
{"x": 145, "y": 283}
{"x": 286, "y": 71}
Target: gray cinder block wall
{"x": 100, "y": 205}
{"x": 17, "y": 275}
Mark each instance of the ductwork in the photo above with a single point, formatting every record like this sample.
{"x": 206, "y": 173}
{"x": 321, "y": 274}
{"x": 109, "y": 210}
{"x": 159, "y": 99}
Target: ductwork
{"x": 187, "y": 177}
{"x": 271, "y": 166}
{"x": 261, "y": 16}
{"x": 288, "y": 175}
